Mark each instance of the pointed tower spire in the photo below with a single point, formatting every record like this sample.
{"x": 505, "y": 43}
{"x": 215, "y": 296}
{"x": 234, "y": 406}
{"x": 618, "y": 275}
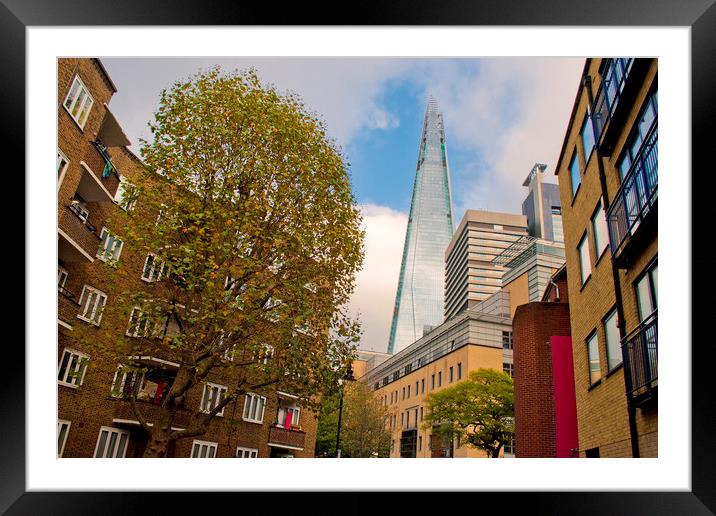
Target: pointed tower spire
{"x": 421, "y": 286}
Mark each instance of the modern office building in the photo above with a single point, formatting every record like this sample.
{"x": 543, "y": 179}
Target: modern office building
{"x": 608, "y": 178}
{"x": 545, "y": 405}
{"x": 470, "y": 274}
{"x": 420, "y": 292}
{"x": 95, "y": 416}
{"x": 542, "y": 206}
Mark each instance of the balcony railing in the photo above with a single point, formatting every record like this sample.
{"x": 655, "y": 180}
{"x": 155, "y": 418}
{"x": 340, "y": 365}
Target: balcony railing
{"x": 641, "y": 360}
{"x": 287, "y": 437}
{"x": 124, "y": 411}
{"x": 77, "y": 227}
{"x": 614, "y": 78}
{"x": 99, "y": 161}
{"x": 67, "y": 306}
{"x": 636, "y": 196}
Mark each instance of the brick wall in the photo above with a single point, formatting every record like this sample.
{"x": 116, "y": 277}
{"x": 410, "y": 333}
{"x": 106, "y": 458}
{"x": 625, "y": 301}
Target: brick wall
{"x": 533, "y": 325}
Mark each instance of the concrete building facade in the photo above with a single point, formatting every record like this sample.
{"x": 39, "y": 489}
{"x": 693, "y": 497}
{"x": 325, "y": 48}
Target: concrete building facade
{"x": 608, "y": 178}
{"x": 95, "y": 418}
{"x": 542, "y": 206}
{"x": 470, "y": 274}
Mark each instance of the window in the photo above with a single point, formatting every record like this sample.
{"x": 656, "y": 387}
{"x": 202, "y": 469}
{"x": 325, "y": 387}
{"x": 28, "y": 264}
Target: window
{"x": 593, "y": 352}
{"x": 636, "y": 140}
{"x": 420, "y": 443}
{"x": 246, "y": 453}
{"x": 557, "y": 227}
{"x": 254, "y": 408}
{"x": 126, "y": 379}
{"x": 599, "y": 226}
{"x": 139, "y": 324}
{"x": 587, "y": 134}
{"x": 433, "y": 385}
{"x": 126, "y": 196}
{"x": 506, "y": 339}
{"x": 213, "y": 394}
{"x": 459, "y": 371}
{"x": 62, "y": 163}
{"x": 421, "y": 413}
{"x": 288, "y": 416}
{"x": 79, "y": 208}
{"x": 592, "y": 453}
{"x": 78, "y": 102}
{"x": 408, "y": 391}
{"x": 574, "y": 174}
{"x": 203, "y": 450}
{"x": 110, "y": 246}
{"x": 451, "y": 375}
{"x": 417, "y": 384}
{"x": 403, "y": 392}
{"x": 111, "y": 443}
{"x": 61, "y": 277}
{"x": 92, "y": 303}
{"x": 646, "y": 292}
{"x": 509, "y": 369}
{"x": 154, "y": 269}
{"x": 265, "y": 354}
{"x": 440, "y": 378}
{"x": 422, "y": 386}
{"x": 402, "y": 419}
{"x": 611, "y": 333}
{"x": 73, "y": 367}
{"x": 63, "y": 428}
{"x": 585, "y": 265}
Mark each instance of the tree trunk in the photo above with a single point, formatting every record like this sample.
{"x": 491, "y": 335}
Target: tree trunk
{"x": 158, "y": 443}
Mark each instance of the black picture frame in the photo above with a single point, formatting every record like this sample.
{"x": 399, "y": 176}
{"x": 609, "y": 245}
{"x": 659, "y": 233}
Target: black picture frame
{"x": 699, "y": 15}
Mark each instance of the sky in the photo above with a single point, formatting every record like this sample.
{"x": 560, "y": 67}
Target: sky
{"x": 501, "y": 115}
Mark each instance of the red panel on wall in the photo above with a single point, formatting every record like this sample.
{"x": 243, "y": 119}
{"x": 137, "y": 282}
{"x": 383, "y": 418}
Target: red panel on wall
{"x": 565, "y": 404}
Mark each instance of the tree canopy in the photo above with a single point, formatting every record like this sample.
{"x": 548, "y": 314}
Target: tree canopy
{"x": 478, "y": 410}
{"x": 245, "y": 206}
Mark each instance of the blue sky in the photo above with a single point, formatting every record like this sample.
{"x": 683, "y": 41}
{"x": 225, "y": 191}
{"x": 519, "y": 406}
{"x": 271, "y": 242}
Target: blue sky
{"x": 501, "y": 115}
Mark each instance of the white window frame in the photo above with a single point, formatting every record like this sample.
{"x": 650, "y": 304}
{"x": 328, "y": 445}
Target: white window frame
{"x": 62, "y": 423}
{"x": 197, "y": 445}
{"x": 251, "y": 407}
{"x": 295, "y": 411}
{"x": 119, "y": 195}
{"x": 133, "y": 330}
{"x": 111, "y": 430}
{"x": 95, "y": 314}
{"x": 614, "y": 350}
{"x": 61, "y": 172}
{"x": 85, "y": 107}
{"x": 108, "y": 238}
{"x": 209, "y": 396}
{"x": 161, "y": 270}
{"x": 585, "y": 260}
{"x": 72, "y": 373}
{"x": 600, "y": 229}
{"x": 246, "y": 453}
{"x": 120, "y": 380}
{"x": 61, "y": 277}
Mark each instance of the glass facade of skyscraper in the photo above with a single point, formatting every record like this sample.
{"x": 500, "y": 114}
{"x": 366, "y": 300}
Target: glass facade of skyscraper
{"x": 420, "y": 296}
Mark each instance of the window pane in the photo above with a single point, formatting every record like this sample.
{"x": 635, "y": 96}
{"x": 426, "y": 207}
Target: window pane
{"x": 643, "y": 293}
{"x": 122, "y": 445}
{"x": 574, "y": 173}
{"x": 195, "y": 451}
{"x": 584, "y": 261}
{"x": 614, "y": 353}
{"x": 61, "y": 437}
{"x": 78, "y": 104}
{"x": 212, "y": 451}
{"x": 599, "y": 225}
{"x": 73, "y": 93}
{"x": 594, "y": 366}
{"x": 63, "y": 366}
{"x": 655, "y": 283}
{"x": 587, "y": 137}
{"x": 102, "y": 441}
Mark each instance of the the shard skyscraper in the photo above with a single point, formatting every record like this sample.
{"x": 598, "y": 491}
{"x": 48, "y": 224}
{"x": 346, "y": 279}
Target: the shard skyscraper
{"x": 421, "y": 287}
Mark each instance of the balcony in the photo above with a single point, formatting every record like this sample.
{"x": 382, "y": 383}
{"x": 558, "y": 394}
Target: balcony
{"x": 621, "y": 79}
{"x": 67, "y": 307}
{"x": 78, "y": 238}
{"x": 100, "y": 179}
{"x": 634, "y": 205}
{"x": 124, "y": 413}
{"x": 286, "y": 437}
{"x": 640, "y": 354}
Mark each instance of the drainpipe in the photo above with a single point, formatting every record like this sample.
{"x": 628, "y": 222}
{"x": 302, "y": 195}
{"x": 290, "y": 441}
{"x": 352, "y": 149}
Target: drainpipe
{"x": 631, "y": 410}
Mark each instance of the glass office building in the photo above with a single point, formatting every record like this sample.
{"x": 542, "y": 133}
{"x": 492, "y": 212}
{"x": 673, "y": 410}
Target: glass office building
{"x": 421, "y": 286}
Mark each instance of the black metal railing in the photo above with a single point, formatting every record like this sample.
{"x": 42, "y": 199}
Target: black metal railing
{"x": 614, "y": 76}
{"x": 637, "y": 194}
{"x": 641, "y": 359}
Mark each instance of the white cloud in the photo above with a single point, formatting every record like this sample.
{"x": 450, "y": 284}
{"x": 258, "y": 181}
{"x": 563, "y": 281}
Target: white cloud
{"x": 377, "y": 282}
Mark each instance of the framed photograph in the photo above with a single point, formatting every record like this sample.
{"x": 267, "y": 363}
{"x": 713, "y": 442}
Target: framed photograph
{"x": 512, "y": 84}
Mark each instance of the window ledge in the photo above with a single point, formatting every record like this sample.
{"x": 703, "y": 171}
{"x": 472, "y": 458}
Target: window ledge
{"x": 70, "y": 385}
{"x": 595, "y": 384}
{"x": 614, "y": 369}
{"x": 90, "y": 321}
{"x": 586, "y": 281}
{"x": 574, "y": 196}
{"x": 252, "y": 421}
{"x": 599, "y": 258}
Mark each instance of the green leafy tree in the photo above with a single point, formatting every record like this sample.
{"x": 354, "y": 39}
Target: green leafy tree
{"x": 363, "y": 432}
{"x": 247, "y": 208}
{"x": 479, "y": 411}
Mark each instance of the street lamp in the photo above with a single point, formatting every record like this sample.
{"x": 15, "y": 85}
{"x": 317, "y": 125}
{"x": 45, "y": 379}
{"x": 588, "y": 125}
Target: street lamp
{"x": 347, "y": 378}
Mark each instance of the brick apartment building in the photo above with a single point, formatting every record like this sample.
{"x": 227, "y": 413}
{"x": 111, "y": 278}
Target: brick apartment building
{"x": 545, "y": 406}
{"x": 94, "y": 417}
{"x": 608, "y": 177}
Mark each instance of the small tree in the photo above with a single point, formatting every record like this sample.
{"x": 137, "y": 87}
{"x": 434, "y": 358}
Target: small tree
{"x": 247, "y": 210}
{"x": 479, "y": 411}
